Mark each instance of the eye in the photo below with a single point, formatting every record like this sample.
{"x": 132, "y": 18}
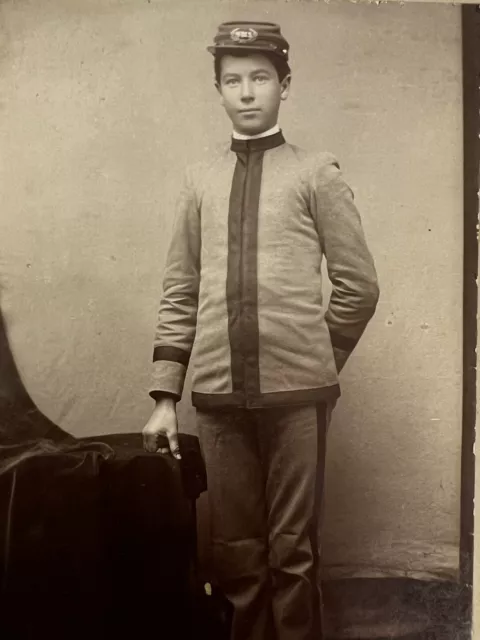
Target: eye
{"x": 261, "y": 79}
{"x": 231, "y": 81}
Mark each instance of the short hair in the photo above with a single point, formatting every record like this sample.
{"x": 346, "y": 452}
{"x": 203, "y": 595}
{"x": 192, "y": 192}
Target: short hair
{"x": 281, "y": 66}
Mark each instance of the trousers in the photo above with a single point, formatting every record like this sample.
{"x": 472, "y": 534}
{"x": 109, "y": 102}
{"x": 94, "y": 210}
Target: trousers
{"x": 265, "y": 476}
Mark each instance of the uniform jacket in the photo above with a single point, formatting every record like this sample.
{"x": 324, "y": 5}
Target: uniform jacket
{"x": 242, "y": 290}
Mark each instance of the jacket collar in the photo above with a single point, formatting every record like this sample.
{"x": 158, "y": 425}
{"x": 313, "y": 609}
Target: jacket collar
{"x": 257, "y": 144}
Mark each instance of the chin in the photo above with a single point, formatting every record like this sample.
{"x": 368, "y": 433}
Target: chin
{"x": 252, "y": 130}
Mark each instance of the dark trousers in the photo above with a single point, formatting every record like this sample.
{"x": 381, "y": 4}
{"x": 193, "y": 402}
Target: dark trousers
{"x": 265, "y": 471}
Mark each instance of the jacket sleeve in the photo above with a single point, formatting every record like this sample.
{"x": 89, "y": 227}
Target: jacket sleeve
{"x": 177, "y": 315}
{"x": 350, "y": 265}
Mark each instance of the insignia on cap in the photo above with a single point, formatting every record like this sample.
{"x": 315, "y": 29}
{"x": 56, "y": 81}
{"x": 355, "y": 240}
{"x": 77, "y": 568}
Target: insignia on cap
{"x": 243, "y": 36}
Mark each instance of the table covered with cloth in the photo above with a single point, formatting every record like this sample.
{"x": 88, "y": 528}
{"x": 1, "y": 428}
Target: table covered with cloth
{"x": 98, "y": 540}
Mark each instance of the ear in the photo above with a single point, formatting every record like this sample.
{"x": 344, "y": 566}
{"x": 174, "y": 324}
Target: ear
{"x": 219, "y": 89}
{"x": 285, "y": 87}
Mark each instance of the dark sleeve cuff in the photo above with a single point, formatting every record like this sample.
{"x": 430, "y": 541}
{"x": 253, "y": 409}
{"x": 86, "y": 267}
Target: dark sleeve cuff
{"x": 343, "y": 342}
{"x": 171, "y": 354}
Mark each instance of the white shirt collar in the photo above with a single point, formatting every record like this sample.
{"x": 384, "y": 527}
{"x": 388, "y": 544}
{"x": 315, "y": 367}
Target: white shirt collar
{"x": 241, "y": 136}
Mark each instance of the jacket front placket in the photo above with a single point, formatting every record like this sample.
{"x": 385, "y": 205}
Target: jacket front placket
{"x": 242, "y": 276}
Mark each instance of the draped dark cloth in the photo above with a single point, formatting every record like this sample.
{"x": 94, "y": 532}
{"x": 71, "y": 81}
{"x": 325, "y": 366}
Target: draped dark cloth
{"x": 97, "y": 537}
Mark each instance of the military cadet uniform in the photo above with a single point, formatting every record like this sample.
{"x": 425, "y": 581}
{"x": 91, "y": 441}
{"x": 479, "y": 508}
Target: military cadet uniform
{"x": 242, "y": 300}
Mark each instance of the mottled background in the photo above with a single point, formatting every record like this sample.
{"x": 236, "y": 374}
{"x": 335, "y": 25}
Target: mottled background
{"x": 102, "y": 102}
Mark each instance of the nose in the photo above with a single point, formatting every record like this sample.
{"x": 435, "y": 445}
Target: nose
{"x": 247, "y": 91}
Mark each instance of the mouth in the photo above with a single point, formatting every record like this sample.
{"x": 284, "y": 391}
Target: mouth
{"x": 247, "y": 111}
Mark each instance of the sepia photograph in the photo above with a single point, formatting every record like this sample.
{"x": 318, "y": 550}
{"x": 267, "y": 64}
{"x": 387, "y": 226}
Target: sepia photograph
{"x": 238, "y": 319}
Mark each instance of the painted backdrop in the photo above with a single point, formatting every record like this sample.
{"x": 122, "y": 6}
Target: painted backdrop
{"x": 102, "y": 102}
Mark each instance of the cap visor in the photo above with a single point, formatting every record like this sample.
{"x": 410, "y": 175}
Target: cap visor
{"x": 242, "y": 47}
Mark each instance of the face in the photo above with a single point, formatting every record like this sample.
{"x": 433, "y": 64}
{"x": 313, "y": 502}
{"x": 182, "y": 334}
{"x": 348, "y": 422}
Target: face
{"x": 251, "y": 93}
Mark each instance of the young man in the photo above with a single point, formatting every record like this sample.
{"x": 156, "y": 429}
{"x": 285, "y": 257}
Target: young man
{"x": 243, "y": 290}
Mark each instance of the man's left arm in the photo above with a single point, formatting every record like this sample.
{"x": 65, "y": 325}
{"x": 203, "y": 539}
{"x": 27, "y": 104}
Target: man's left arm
{"x": 350, "y": 264}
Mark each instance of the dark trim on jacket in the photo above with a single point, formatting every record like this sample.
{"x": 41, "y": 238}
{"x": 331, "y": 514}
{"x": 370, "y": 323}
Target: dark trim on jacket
{"x": 280, "y": 398}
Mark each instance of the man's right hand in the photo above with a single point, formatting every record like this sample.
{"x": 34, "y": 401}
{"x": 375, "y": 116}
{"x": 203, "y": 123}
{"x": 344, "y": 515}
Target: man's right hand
{"x": 162, "y": 423}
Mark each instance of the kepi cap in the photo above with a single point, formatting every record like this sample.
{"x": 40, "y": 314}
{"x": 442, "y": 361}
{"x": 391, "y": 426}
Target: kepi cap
{"x": 257, "y": 37}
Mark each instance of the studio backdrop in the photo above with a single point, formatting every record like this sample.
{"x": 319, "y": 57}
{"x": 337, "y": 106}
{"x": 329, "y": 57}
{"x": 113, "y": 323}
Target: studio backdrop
{"x": 103, "y": 102}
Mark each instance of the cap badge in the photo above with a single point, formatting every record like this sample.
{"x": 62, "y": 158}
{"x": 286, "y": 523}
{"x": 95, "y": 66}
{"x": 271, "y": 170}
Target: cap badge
{"x": 243, "y": 36}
